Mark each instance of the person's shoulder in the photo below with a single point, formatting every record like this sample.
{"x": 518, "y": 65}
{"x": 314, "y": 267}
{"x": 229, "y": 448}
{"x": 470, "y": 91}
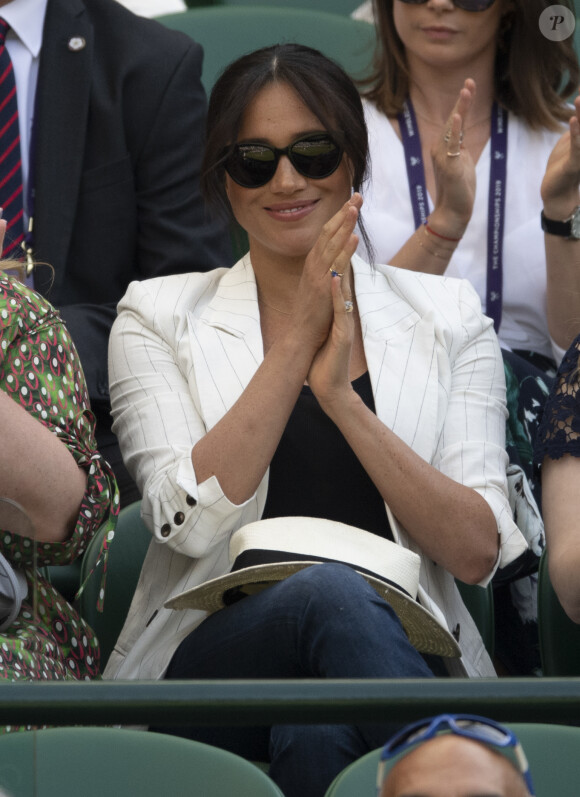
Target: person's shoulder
{"x": 430, "y": 286}
{"x": 23, "y": 307}
{"x": 166, "y": 305}
{"x": 453, "y": 303}
{"x": 172, "y": 295}
{"x": 373, "y": 115}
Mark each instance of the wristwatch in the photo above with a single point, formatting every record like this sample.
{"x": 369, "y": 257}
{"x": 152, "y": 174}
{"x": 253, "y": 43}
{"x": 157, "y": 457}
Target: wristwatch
{"x": 568, "y": 228}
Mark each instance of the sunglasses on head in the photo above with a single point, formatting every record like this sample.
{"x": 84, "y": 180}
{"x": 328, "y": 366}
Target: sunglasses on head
{"x": 468, "y": 725}
{"x": 465, "y": 5}
{"x": 252, "y": 164}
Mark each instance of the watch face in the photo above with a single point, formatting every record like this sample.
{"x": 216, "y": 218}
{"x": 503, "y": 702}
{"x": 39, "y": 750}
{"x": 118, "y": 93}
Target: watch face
{"x": 575, "y": 224}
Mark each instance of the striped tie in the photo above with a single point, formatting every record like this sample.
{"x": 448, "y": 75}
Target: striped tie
{"x": 10, "y": 162}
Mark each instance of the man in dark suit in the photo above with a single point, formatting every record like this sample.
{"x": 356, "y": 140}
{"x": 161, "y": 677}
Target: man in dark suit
{"x": 114, "y": 143}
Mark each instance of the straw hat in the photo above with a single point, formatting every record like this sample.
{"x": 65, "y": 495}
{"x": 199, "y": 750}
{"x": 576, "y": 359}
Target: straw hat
{"x": 270, "y": 550}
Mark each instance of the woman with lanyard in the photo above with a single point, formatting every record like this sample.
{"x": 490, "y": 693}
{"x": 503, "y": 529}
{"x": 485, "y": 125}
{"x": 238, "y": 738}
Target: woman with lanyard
{"x": 492, "y": 71}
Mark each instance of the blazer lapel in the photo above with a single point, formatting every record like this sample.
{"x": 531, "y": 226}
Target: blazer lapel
{"x": 226, "y": 342}
{"x": 399, "y": 343}
{"x": 401, "y": 356}
{"x": 62, "y": 105}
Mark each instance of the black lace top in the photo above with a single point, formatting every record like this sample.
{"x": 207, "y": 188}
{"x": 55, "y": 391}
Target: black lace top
{"x": 559, "y": 430}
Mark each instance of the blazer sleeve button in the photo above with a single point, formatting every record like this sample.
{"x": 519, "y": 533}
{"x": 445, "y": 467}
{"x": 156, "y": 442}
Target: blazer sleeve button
{"x": 178, "y": 518}
{"x": 165, "y": 530}
{"x": 190, "y": 500}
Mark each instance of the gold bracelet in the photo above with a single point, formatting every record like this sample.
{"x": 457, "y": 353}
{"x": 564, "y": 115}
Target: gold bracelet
{"x": 431, "y": 252}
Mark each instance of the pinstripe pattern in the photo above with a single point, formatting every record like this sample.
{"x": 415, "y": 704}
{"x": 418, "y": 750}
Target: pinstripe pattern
{"x": 10, "y": 161}
{"x": 184, "y": 348}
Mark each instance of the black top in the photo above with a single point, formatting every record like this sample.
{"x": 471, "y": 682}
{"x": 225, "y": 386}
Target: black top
{"x": 314, "y": 472}
{"x": 559, "y": 430}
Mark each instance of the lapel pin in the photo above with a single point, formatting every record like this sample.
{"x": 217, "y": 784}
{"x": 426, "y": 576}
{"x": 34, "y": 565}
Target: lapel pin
{"x": 77, "y": 43}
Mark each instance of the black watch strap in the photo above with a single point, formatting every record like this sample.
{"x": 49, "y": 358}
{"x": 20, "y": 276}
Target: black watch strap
{"x": 553, "y": 227}
{"x": 567, "y": 228}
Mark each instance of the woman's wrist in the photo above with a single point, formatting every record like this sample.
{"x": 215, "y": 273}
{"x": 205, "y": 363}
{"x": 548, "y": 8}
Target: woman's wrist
{"x": 444, "y": 228}
{"x": 560, "y": 209}
{"x": 439, "y": 235}
{"x": 340, "y": 404}
{"x": 435, "y": 243}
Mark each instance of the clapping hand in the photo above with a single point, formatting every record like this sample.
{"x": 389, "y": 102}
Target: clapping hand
{"x": 329, "y": 373}
{"x": 561, "y": 181}
{"x": 454, "y": 169}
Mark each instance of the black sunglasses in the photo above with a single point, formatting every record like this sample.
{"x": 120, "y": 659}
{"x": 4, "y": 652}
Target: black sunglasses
{"x": 252, "y": 164}
{"x": 465, "y": 5}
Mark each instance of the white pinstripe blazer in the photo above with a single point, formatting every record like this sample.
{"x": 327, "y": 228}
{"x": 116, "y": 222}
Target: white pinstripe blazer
{"x": 182, "y": 350}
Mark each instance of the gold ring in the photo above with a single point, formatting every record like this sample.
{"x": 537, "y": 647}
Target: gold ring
{"x": 447, "y": 137}
{"x": 348, "y": 306}
{"x": 334, "y": 273}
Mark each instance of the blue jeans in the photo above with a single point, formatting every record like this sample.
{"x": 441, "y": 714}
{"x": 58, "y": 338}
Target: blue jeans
{"x": 323, "y": 622}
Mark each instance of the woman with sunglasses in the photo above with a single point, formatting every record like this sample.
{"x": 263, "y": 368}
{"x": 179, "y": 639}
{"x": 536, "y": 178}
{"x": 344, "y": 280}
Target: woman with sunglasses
{"x": 304, "y": 382}
{"x": 474, "y": 210}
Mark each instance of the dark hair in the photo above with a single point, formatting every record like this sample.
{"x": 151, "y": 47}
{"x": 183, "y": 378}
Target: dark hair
{"x": 534, "y": 76}
{"x": 321, "y": 84}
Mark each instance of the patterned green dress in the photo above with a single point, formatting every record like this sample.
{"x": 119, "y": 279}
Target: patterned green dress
{"x": 41, "y": 371}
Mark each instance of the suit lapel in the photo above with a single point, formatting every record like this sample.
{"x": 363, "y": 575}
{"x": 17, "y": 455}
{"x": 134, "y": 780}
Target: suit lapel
{"x": 401, "y": 356}
{"x": 62, "y": 105}
{"x": 399, "y": 344}
{"x": 226, "y": 342}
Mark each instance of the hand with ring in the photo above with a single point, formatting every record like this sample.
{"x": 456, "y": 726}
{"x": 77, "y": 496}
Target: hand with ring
{"x": 327, "y": 262}
{"x": 454, "y": 170}
{"x": 328, "y": 376}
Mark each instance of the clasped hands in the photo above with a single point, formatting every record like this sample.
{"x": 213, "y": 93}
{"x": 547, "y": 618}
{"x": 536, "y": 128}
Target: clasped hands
{"x": 326, "y": 296}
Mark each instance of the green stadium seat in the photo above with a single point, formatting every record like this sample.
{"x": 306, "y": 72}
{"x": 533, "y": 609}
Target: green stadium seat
{"x": 227, "y": 32}
{"x": 559, "y": 636}
{"x": 67, "y": 762}
{"x": 551, "y": 750}
{"x": 335, "y": 6}
{"x": 126, "y": 555}
{"x": 479, "y": 602}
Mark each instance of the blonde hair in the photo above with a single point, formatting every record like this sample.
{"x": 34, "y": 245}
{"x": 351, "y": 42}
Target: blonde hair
{"x": 21, "y": 269}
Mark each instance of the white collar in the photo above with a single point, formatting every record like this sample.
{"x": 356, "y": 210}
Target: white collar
{"x": 26, "y": 18}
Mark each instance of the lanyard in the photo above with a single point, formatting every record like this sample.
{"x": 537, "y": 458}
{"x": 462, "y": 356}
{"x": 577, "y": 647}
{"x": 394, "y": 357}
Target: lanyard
{"x": 496, "y": 195}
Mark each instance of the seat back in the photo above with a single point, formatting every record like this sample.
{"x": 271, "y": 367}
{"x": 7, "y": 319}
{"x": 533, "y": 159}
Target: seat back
{"x": 126, "y": 554}
{"x": 227, "y": 32}
{"x": 334, "y": 6}
{"x": 67, "y": 762}
{"x": 559, "y": 636}
{"x": 551, "y": 750}
{"x": 479, "y": 603}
